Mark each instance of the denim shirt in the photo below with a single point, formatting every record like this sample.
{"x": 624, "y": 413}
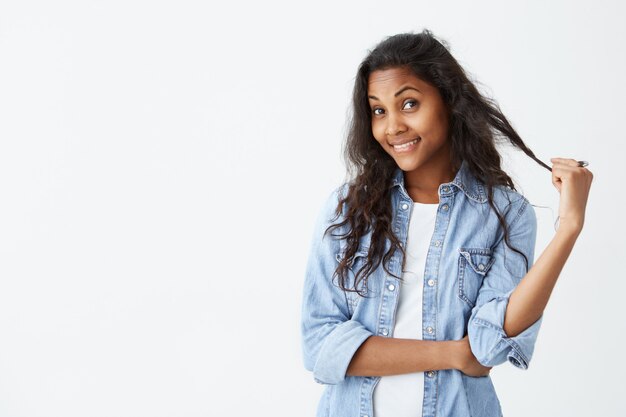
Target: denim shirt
{"x": 468, "y": 278}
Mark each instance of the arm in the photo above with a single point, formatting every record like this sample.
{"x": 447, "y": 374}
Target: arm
{"x": 329, "y": 336}
{"x": 489, "y": 342}
{"x": 531, "y": 296}
{"x": 504, "y": 324}
{"x": 391, "y": 356}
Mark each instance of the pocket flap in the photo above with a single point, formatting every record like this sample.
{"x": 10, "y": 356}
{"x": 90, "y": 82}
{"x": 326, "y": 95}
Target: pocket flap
{"x": 480, "y": 259}
{"x": 360, "y": 252}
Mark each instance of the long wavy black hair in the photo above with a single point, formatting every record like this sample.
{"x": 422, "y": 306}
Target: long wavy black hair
{"x": 476, "y": 123}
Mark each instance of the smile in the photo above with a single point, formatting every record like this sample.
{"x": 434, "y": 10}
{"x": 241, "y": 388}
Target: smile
{"x": 406, "y": 146}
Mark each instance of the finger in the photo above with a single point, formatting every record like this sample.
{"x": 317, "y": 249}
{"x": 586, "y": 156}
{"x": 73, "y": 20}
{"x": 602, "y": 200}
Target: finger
{"x": 565, "y": 161}
{"x": 565, "y": 172}
{"x": 557, "y": 172}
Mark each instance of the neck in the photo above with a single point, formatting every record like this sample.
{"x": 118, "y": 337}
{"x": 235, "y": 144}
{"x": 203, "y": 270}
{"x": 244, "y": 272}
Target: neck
{"x": 423, "y": 183}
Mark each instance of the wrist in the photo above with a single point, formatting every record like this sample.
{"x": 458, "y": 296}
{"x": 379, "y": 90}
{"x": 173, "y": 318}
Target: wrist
{"x": 458, "y": 353}
{"x": 570, "y": 228}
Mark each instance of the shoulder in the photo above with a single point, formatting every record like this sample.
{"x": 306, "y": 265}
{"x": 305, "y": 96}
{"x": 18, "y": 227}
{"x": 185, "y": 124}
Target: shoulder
{"x": 334, "y": 196}
{"x": 507, "y": 195}
{"x": 516, "y": 206}
{"x": 327, "y": 212}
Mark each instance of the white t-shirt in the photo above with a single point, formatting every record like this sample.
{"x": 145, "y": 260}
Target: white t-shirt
{"x": 402, "y": 395}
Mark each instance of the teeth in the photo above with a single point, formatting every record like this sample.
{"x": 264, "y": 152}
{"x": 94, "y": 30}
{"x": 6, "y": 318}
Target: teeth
{"x": 406, "y": 145}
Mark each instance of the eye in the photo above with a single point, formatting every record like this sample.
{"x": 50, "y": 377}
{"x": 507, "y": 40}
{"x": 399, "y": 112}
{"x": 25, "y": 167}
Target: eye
{"x": 410, "y": 101}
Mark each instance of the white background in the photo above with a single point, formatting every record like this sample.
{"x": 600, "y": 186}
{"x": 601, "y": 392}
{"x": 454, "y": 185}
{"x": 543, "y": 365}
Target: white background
{"x": 162, "y": 163}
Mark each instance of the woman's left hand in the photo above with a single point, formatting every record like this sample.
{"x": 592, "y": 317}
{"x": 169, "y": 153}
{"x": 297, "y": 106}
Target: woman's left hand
{"x": 573, "y": 183}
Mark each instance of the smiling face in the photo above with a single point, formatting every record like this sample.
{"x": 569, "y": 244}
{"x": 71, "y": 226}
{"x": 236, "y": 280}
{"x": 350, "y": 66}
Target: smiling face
{"x": 409, "y": 111}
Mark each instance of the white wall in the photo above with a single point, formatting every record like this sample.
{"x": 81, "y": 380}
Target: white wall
{"x": 161, "y": 164}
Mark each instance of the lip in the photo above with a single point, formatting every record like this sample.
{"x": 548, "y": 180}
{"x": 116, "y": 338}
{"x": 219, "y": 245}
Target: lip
{"x": 409, "y": 149}
{"x": 401, "y": 142}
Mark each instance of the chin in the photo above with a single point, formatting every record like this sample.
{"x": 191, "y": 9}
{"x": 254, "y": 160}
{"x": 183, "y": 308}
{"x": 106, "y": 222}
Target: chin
{"x": 407, "y": 165}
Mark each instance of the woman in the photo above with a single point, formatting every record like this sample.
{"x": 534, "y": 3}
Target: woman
{"x": 420, "y": 276}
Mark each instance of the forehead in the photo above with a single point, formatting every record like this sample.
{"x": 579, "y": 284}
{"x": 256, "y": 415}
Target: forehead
{"x": 382, "y": 81}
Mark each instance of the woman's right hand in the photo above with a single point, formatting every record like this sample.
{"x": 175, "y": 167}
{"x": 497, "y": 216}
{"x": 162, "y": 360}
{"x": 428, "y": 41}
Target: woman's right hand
{"x": 468, "y": 364}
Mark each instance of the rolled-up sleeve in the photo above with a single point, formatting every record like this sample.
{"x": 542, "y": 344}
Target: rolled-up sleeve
{"x": 329, "y": 336}
{"x": 489, "y": 343}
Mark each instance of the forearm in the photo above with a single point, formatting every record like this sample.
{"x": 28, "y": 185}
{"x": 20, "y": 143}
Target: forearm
{"x": 530, "y": 297}
{"x": 380, "y": 356}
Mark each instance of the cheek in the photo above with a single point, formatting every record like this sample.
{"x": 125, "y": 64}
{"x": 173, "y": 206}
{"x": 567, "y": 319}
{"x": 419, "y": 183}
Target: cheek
{"x": 377, "y": 131}
{"x": 440, "y": 120}
{"x": 433, "y": 124}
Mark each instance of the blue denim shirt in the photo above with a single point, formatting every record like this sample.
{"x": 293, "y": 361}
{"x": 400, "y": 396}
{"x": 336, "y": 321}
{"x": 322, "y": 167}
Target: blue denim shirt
{"x": 468, "y": 278}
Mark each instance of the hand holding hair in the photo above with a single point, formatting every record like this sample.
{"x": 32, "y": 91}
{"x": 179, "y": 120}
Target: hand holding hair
{"x": 573, "y": 181}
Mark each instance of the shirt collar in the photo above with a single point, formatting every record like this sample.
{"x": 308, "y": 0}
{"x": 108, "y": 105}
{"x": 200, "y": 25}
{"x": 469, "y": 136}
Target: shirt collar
{"x": 464, "y": 181}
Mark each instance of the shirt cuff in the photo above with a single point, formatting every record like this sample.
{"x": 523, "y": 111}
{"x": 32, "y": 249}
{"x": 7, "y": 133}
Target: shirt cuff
{"x": 490, "y": 344}
{"x": 337, "y": 351}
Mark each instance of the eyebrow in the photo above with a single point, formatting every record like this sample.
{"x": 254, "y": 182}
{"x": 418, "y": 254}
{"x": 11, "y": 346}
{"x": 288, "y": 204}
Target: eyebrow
{"x": 408, "y": 87}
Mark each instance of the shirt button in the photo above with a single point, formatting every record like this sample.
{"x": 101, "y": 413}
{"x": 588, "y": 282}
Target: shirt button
{"x": 446, "y": 189}
{"x": 481, "y": 267}
{"x": 438, "y": 243}
{"x": 429, "y": 329}
{"x": 430, "y": 374}
{"x": 445, "y": 207}
{"x": 385, "y": 332}
{"x": 431, "y": 282}
{"x": 391, "y": 287}
{"x": 405, "y": 206}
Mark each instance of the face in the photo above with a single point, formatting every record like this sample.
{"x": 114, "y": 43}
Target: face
{"x": 409, "y": 119}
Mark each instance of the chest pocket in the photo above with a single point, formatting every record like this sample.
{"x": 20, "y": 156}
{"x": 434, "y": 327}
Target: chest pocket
{"x": 473, "y": 266}
{"x": 352, "y": 298}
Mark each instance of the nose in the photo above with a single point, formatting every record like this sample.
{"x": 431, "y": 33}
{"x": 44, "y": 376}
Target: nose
{"x": 395, "y": 125}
